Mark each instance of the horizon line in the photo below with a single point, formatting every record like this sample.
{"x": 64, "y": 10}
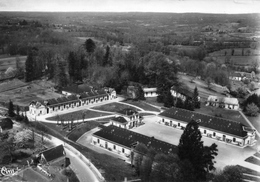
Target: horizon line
{"x": 36, "y": 11}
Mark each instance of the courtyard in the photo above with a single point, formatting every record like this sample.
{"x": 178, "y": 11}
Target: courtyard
{"x": 227, "y": 153}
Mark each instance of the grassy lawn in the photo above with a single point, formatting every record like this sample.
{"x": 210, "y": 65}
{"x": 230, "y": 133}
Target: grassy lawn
{"x": 153, "y": 101}
{"x": 253, "y": 160}
{"x": 142, "y": 105}
{"x": 255, "y": 122}
{"x": 78, "y": 115}
{"x": 114, "y": 169}
{"x": 81, "y": 129}
{"x": 114, "y": 107}
{"x": 224, "y": 113}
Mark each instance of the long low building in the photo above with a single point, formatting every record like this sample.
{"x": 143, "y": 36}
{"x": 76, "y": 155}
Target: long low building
{"x": 221, "y": 129}
{"x": 42, "y": 107}
{"x": 122, "y": 141}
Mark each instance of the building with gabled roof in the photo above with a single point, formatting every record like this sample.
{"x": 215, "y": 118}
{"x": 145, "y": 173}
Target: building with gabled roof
{"x": 221, "y": 129}
{"x": 131, "y": 116}
{"x": 6, "y": 124}
{"x": 42, "y": 107}
{"x": 150, "y": 92}
{"x": 223, "y": 102}
{"x": 55, "y": 155}
{"x": 122, "y": 141}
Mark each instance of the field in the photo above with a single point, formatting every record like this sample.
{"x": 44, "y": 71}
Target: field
{"x": 203, "y": 90}
{"x": 142, "y": 105}
{"x": 6, "y": 62}
{"x": 22, "y": 93}
{"x": 113, "y": 107}
{"x": 237, "y": 52}
{"x": 78, "y": 115}
{"x": 223, "y": 113}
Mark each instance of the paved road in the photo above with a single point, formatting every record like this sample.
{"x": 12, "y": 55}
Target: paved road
{"x": 82, "y": 171}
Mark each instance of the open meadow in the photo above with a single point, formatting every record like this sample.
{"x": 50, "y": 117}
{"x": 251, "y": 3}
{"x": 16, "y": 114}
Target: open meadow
{"x": 6, "y": 62}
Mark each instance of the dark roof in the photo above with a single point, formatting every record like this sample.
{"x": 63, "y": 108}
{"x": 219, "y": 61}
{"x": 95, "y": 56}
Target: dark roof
{"x": 6, "y": 124}
{"x": 54, "y": 153}
{"x": 184, "y": 90}
{"x": 119, "y": 119}
{"x": 77, "y": 89}
{"x": 215, "y": 123}
{"x": 127, "y": 138}
{"x": 127, "y": 112}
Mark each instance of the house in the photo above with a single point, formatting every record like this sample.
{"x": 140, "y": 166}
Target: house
{"x": 223, "y": 102}
{"x": 150, "y": 92}
{"x": 132, "y": 116}
{"x": 6, "y": 124}
{"x": 54, "y": 156}
{"x": 120, "y": 122}
{"x": 42, "y": 107}
{"x": 181, "y": 92}
{"x": 236, "y": 76}
{"x": 122, "y": 141}
{"x": 225, "y": 130}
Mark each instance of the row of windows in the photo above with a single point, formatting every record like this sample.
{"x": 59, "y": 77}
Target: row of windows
{"x": 205, "y": 132}
{"x": 114, "y": 147}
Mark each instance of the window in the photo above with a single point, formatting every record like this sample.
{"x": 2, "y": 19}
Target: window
{"x": 114, "y": 147}
{"x": 214, "y": 134}
{"x": 97, "y": 140}
{"x": 234, "y": 139}
{"x": 205, "y": 131}
{"x": 163, "y": 120}
{"x": 179, "y": 124}
{"x": 123, "y": 150}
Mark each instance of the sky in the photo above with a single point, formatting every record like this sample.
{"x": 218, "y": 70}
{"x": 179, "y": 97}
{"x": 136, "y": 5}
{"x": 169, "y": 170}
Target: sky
{"x": 175, "y": 6}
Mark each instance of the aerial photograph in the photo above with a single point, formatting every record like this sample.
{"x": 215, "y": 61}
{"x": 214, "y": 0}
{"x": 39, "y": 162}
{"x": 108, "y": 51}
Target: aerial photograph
{"x": 130, "y": 91}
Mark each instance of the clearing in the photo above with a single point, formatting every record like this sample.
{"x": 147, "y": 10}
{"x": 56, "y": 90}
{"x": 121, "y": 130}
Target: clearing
{"x": 114, "y": 107}
{"x": 142, "y": 105}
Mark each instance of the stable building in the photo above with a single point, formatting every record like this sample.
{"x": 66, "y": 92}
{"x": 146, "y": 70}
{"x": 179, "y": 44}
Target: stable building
{"x": 220, "y": 129}
{"x": 223, "y": 102}
{"x": 122, "y": 141}
{"x": 43, "y": 107}
{"x": 181, "y": 92}
{"x": 54, "y": 156}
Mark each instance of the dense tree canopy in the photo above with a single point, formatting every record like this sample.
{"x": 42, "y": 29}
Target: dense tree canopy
{"x": 191, "y": 148}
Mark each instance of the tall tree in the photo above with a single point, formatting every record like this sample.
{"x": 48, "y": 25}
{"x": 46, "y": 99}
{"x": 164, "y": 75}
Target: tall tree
{"x": 29, "y": 67}
{"x": 71, "y": 64}
{"x": 230, "y": 173}
{"x": 90, "y": 46}
{"x": 168, "y": 99}
{"x": 191, "y": 148}
{"x": 61, "y": 75}
{"x": 195, "y": 98}
{"x": 11, "y": 109}
{"x": 106, "y": 57}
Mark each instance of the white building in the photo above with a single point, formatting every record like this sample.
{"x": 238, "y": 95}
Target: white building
{"x": 221, "y": 129}
{"x": 223, "y": 102}
{"x": 122, "y": 141}
{"x": 150, "y": 92}
{"x": 41, "y": 107}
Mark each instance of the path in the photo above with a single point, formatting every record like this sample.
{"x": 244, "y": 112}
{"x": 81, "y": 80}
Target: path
{"x": 250, "y": 124}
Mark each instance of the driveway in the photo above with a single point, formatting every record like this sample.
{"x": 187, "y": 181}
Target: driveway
{"x": 227, "y": 154}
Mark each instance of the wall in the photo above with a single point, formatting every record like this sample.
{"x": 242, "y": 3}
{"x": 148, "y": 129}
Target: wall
{"x": 209, "y": 133}
{"x": 110, "y": 146}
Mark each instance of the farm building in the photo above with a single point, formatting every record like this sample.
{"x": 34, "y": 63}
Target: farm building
{"x": 43, "y": 107}
{"x": 123, "y": 141}
{"x": 213, "y": 127}
{"x": 235, "y": 76}
{"x": 131, "y": 116}
{"x": 181, "y": 92}
{"x": 223, "y": 102}
{"x": 150, "y": 92}
{"x": 53, "y": 156}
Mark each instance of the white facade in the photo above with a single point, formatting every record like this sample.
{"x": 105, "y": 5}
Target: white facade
{"x": 111, "y": 146}
{"x": 38, "y": 108}
{"x": 150, "y": 92}
{"x": 249, "y": 140}
{"x": 178, "y": 95}
{"x": 225, "y": 102}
